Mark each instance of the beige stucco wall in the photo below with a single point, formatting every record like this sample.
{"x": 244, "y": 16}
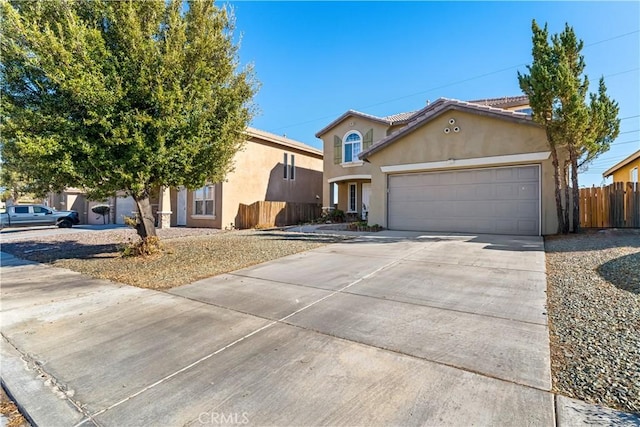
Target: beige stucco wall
{"x": 258, "y": 175}
{"x": 479, "y": 136}
{"x": 332, "y": 170}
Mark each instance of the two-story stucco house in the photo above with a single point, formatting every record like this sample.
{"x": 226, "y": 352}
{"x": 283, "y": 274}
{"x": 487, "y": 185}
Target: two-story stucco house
{"x": 481, "y": 167}
{"x": 268, "y": 168}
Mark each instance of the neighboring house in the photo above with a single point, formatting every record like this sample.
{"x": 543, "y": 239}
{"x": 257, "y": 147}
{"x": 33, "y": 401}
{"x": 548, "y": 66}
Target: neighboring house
{"x": 76, "y": 199}
{"x": 625, "y": 170}
{"x": 452, "y": 166}
{"x": 268, "y": 168}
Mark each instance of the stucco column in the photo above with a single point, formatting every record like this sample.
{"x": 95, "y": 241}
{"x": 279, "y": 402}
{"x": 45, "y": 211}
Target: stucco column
{"x": 164, "y": 208}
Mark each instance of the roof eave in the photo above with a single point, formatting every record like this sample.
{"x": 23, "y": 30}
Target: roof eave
{"x": 439, "y": 107}
{"x": 347, "y": 114}
{"x": 285, "y": 142}
{"x": 621, "y": 163}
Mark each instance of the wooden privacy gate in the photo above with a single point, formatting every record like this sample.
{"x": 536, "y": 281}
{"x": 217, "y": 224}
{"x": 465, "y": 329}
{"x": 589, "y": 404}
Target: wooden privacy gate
{"x": 616, "y": 205}
{"x": 270, "y": 214}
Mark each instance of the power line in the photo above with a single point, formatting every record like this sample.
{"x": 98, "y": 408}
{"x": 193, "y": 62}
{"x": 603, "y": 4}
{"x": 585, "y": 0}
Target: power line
{"x": 612, "y": 38}
{"x": 625, "y": 142}
{"x": 621, "y": 72}
{"x": 459, "y": 82}
{"x": 629, "y": 131}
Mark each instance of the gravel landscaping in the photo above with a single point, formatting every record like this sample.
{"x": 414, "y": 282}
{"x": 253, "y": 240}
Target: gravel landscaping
{"x": 594, "y": 316}
{"x": 188, "y": 255}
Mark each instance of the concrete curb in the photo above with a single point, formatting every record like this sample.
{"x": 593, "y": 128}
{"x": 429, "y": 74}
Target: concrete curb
{"x": 39, "y": 400}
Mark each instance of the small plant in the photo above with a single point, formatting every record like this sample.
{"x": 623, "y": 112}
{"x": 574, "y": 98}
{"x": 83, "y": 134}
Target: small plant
{"x": 363, "y": 226}
{"x": 149, "y": 246}
{"x": 130, "y": 221}
{"x": 263, "y": 226}
{"x": 337, "y": 215}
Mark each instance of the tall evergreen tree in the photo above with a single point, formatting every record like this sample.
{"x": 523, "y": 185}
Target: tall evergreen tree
{"x": 121, "y": 95}
{"x": 577, "y": 131}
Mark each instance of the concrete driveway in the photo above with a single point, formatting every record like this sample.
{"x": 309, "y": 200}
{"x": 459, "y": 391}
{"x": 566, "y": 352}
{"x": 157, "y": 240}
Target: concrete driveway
{"x": 388, "y": 329}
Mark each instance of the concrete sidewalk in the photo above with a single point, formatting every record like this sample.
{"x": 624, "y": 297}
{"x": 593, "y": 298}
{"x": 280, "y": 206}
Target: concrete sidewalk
{"x": 403, "y": 329}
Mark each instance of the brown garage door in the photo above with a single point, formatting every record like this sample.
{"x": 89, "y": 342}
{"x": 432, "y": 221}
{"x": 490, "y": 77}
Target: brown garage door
{"x": 490, "y": 200}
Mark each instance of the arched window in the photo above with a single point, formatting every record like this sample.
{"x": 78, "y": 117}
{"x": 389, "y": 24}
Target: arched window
{"x": 352, "y": 147}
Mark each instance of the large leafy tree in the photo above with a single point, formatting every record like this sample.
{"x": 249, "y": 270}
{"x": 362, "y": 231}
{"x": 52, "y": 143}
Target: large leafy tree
{"x": 121, "y": 95}
{"x": 579, "y": 126}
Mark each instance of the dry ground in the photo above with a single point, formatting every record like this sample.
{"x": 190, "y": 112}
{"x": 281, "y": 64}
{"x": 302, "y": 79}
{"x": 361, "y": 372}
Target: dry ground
{"x": 188, "y": 255}
{"x": 9, "y": 410}
{"x": 593, "y": 283}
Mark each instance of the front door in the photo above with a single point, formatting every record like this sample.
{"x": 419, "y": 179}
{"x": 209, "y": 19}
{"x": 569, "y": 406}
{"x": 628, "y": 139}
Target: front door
{"x": 366, "y": 195}
{"x": 182, "y": 206}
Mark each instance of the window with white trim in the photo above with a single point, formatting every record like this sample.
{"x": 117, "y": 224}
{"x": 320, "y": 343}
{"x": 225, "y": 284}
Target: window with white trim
{"x": 204, "y": 201}
{"x": 352, "y": 147}
{"x": 633, "y": 175}
{"x": 352, "y": 197}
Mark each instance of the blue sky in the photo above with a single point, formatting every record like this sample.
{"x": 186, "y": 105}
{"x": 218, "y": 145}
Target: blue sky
{"x": 315, "y": 60}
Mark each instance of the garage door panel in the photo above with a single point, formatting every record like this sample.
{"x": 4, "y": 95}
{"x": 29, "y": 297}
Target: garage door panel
{"x": 505, "y": 175}
{"x": 527, "y": 210}
{"x": 505, "y": 191}
{"x": 491, "y": 200}
{"x": 526, "y": 174}
{"x": 528, "y": 191}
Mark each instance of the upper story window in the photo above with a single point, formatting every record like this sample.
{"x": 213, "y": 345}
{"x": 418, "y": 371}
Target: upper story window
{"x": 352, "y": 147}
{"x": 289, "y": 168}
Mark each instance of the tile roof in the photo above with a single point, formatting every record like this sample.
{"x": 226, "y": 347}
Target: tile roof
{"x": 440, "y": 106}
{"x": 504, "y": 102}
{"x": 351, "y": 113}
{"x": 400, "y": 118}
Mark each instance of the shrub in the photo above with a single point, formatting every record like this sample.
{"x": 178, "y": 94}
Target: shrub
{"x": 148, "y": 246}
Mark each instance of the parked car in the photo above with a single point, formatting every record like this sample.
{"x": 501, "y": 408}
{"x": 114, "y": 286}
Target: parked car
{"x": 28, "y": 215}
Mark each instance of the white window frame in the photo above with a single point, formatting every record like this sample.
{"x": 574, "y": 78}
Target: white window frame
{"x": 212, "y": 199}
{"x": 633, "y": 175}
{"x": 354, "y": 157}
{"x": 355, "y": 199}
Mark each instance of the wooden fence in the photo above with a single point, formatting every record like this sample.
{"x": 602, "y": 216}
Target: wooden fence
{"x": 270, "y": 214}
{"x": 616, "y": 205}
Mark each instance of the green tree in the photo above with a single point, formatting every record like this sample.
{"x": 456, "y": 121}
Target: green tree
{"x": 121, "y": 95}
{"x": 577, "y": 130}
